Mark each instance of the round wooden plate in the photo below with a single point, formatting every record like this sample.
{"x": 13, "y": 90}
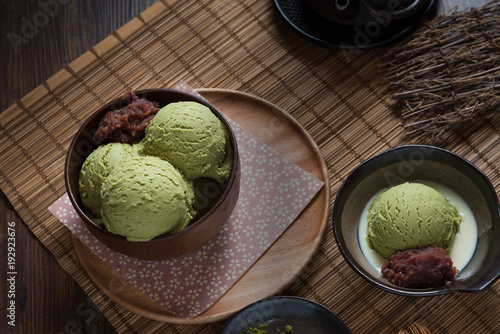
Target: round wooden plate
{"x": 282, "y": 263}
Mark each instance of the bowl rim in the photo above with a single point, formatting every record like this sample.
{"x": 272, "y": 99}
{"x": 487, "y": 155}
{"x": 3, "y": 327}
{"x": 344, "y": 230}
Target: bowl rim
{"x": 119, "y": 101}
{"x": 270, "y": 301}
{"x": 395, "y": 14}
{"x": 395, "y": 289}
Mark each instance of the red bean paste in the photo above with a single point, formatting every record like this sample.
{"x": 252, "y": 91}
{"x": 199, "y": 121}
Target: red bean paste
{"x": 427, "y": 267}
{"x": 126, "y": 125}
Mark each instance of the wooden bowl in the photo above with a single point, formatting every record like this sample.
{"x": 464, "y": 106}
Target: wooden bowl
{"x": 419, "y": 162}
{"x": 198, "y": 232}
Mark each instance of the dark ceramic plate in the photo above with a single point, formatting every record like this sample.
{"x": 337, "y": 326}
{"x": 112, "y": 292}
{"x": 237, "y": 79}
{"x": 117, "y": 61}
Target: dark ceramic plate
{"x": 305, "y": 317}
{"x": 374, "y": 33}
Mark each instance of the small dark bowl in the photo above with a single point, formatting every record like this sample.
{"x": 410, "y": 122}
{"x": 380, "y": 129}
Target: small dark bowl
{"x": 303, "y": 315}
{"x": 201, "y": 230}
{"x": 362, "y": 12}
{"x": 400, "y": 9}
{"x": 418, "y": 162}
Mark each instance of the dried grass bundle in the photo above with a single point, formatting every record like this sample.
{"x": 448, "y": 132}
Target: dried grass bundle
{"x": 447, "y": 74}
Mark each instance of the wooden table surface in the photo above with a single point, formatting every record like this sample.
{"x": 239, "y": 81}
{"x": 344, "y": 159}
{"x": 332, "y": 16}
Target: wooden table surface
{"x": 48, "y": 299}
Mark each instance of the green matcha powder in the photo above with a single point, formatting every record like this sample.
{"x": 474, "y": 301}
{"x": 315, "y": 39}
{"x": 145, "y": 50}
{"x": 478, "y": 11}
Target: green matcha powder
{"x": 262, "y": 329}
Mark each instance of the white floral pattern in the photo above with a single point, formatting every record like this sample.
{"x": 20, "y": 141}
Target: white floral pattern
{"x": 188, "y": 285}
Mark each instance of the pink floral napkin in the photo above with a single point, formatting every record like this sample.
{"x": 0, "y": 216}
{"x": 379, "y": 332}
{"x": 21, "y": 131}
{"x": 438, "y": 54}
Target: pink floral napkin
{"x": 273, "y": 193}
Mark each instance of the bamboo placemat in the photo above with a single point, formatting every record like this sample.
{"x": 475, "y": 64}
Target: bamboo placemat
{"x": 243, "y": 45}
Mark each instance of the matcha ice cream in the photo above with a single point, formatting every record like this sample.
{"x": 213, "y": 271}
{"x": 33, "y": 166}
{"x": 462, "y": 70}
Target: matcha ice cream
{"x": 144, "y": 197}
{"x": 143, "y": 190}
{"x": 192, "y": 138}
{"x": 96, "y": 168}
{"x": 411, "y": 215}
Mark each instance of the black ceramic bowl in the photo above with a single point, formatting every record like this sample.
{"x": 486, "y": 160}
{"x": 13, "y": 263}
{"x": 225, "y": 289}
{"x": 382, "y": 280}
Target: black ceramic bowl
{"x": 275, "y": 313}
{"x": 201, "y": 230}
{"x": 417, "y": 162}
{"x": 361, "y": 12}
{"x": 393, "y": 9}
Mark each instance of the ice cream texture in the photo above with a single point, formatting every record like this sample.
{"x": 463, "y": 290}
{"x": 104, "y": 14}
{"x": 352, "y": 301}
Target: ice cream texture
{"x": 144, "y": 197}
{"x": 96, "y": 168}
{"x": 143, "y": 190}
{"x": 411, "y": 215}
{"x": 192, "y": 138}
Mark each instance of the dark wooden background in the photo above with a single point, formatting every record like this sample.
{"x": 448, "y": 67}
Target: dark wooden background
{"x": 48, "y": 299}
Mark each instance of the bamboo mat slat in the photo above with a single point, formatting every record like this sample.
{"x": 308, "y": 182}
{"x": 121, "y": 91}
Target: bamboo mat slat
{"x": 242, "y": 45}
